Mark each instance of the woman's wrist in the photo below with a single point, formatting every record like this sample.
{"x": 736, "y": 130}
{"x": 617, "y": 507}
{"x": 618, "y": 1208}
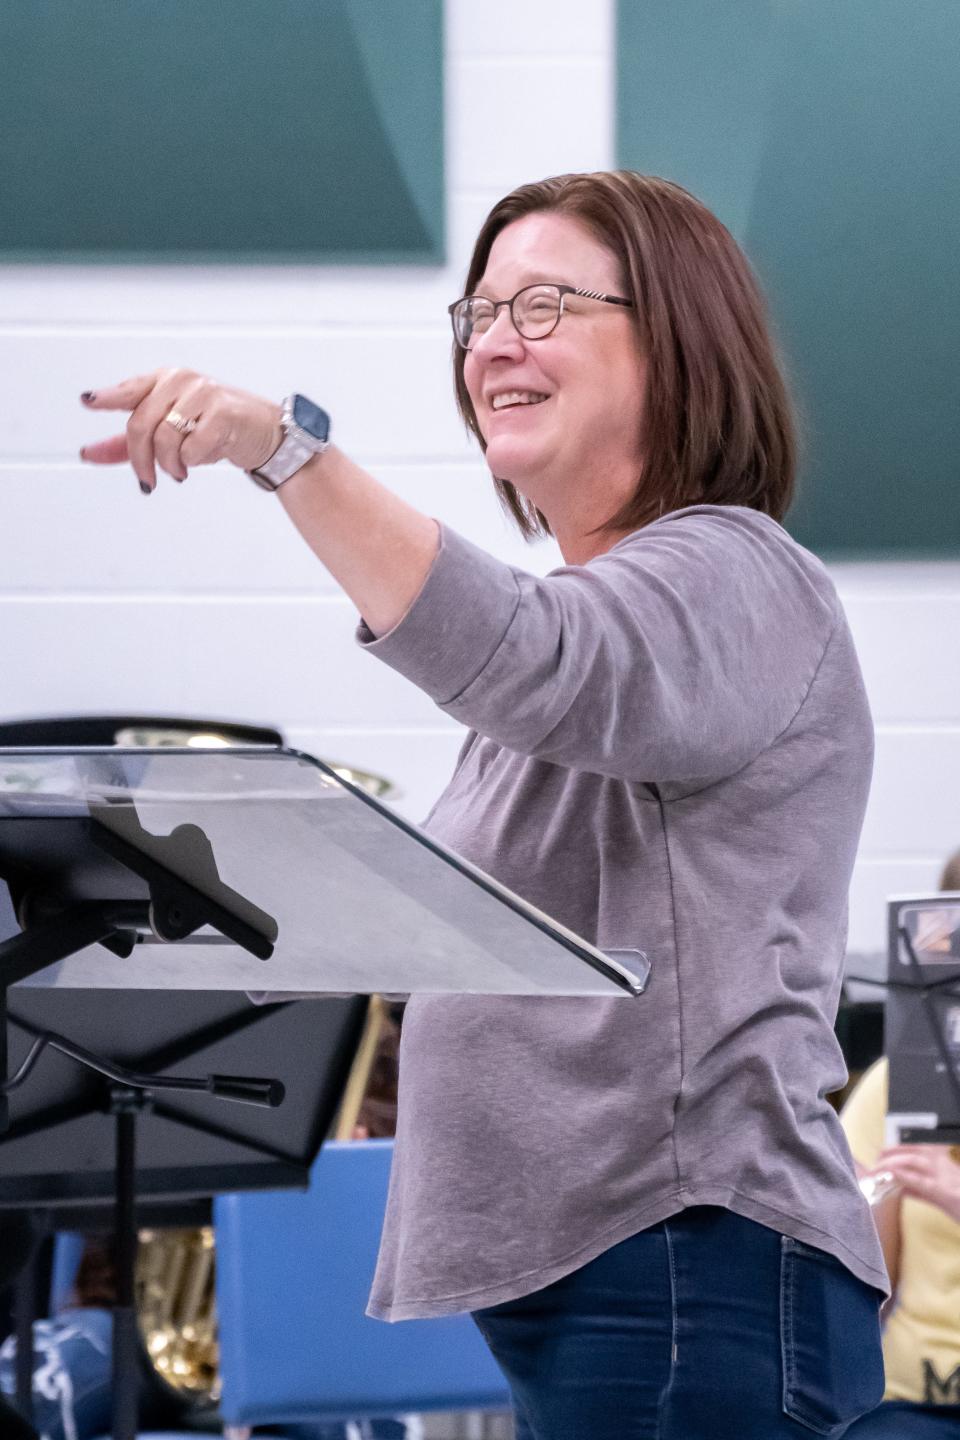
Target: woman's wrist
{"x": 273, "y": 439}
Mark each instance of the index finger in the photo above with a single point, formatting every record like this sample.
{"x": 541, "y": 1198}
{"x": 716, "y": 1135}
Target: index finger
{"x": 125, "y": 396}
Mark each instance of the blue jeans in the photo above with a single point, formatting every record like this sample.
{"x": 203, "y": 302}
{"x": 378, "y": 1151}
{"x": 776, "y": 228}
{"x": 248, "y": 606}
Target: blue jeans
{"x": 902, "y": 1420}
{"x": 705, "y": 1327}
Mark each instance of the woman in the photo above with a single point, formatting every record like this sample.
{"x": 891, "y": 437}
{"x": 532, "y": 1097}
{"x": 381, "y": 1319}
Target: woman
{"x": 919, "y": 1226}
{"x": 647, "y": 1205}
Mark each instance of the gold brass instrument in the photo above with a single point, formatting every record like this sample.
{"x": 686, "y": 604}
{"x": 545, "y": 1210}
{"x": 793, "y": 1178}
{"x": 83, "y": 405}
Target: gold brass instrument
{"x": 359, "y": 1078}
{"x": 163, "y": 737}
{"x": 176, "y": 1311}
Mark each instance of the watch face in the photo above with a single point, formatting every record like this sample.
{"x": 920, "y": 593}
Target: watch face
{"x": 310, "y": 417}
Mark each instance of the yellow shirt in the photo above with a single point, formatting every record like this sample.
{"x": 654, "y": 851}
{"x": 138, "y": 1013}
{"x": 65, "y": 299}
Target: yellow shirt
{"x": 921, "y": 1340}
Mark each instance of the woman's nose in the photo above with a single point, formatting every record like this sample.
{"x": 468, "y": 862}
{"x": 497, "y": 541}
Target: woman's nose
{"x": 501, "y": 338}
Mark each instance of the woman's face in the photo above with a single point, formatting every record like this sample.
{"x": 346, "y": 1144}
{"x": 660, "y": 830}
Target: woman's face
{"x": 575, "y": 452}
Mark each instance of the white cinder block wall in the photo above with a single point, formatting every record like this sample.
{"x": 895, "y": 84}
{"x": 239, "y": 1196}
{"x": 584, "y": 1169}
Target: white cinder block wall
{"x": 202, "y": 599}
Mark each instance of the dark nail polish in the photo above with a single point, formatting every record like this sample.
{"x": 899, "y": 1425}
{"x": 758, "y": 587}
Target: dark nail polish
{"x": 83, "y": 453}
{"x": 144, "y": 487}
{"x": 88, "y": 397}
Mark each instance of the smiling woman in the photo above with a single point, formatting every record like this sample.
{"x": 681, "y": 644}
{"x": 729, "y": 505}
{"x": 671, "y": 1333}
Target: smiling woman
{"x": 543, "y": 417}
{"x": 648, "y": 1207}
{"x": 713, "y": 422}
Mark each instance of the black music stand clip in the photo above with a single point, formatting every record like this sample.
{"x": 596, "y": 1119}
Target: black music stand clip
{"x": 56, "y": 927}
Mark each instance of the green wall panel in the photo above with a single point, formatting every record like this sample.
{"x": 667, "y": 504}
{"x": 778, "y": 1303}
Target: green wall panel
{"x": 221, "y": 130}
{"x": 826, "y": 136}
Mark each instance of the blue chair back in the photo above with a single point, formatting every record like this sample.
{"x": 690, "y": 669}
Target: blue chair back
{"x": 67, "y": 1254}
{"x": 293, "y": 1274}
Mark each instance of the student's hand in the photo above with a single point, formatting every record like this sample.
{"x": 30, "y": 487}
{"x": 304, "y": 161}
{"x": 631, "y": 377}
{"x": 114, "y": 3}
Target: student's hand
{"x": 179, "y": 418}
{"x": 927, "y": 1172}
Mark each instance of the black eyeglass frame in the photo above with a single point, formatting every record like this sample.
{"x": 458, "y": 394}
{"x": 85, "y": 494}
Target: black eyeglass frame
{"x": 562, "y": 291}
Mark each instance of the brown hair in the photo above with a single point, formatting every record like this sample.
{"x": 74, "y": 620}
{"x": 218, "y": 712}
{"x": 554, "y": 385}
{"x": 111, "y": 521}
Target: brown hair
{"x": 718, "y": 427}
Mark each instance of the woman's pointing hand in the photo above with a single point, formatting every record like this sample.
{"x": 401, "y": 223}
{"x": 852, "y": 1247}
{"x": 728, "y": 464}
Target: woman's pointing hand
{"x": 179, "y": 419}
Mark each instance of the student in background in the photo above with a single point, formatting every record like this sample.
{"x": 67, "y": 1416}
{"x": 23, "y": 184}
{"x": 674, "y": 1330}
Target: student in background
{"x": 919, "y": 1226}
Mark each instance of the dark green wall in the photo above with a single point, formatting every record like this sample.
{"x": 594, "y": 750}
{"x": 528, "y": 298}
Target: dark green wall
{"x": 205, "y": 130}
{"x": 826, "y": 134}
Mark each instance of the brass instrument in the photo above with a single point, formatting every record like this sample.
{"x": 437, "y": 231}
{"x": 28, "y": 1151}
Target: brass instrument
{"x": 176, "y": 1310}
{"x": 162, "y": 737}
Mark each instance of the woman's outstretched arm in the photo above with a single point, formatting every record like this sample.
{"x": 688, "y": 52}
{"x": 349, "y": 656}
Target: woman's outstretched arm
{"x": 376, "y": 546}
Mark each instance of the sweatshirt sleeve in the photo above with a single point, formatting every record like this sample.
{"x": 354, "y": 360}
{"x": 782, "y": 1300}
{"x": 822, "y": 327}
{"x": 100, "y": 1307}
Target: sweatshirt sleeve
{"x": 679, "y": 655}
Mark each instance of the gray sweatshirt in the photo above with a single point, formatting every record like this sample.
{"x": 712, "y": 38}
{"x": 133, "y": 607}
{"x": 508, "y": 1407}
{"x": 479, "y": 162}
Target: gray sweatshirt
{"x": 670, "y": 749}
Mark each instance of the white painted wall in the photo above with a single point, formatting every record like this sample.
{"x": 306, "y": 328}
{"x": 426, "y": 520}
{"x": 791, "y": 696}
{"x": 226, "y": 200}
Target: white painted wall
{"x": 203, "y": 600}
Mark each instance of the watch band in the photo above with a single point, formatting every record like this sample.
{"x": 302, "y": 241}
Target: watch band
{"x": 298, "y": 446}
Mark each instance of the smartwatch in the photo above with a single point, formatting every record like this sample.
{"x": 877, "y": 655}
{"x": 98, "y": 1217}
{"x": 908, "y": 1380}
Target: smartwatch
{"x": 306, "y": 432}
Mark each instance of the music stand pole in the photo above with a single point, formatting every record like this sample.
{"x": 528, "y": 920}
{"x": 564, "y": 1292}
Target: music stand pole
{"x": 131, "y": 1094}
{"x": 125, "y": 1104}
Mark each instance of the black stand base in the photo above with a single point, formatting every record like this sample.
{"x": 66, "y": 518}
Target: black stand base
{"x": 129, "y": 1095}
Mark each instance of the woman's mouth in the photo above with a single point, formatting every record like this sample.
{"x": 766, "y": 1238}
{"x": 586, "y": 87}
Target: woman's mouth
{"x": 515, "y": 398}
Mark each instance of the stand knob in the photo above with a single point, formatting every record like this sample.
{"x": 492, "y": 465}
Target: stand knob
{"x": 269, "y": 1093}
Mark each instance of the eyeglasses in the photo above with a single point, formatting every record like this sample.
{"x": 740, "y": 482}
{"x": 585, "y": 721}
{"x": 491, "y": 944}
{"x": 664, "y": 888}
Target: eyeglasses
{"x": 535, "y": 311}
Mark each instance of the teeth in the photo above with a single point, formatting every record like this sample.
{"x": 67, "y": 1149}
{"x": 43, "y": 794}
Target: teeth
{"x": 517, "y": 397}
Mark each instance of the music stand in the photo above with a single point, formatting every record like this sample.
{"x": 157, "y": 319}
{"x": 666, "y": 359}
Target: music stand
{"x": 922, "y": 1019}
{"x": 218, "y": 872}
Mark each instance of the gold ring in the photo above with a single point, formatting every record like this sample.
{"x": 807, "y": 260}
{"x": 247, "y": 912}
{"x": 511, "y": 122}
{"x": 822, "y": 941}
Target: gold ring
{"x": 180, "y": 422}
